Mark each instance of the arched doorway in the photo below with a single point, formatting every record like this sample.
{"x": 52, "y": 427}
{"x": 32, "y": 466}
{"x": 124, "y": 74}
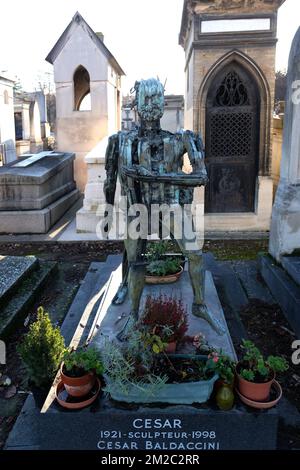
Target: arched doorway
{"x": 232, "y": 141}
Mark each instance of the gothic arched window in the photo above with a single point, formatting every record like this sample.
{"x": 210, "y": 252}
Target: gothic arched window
{"x": 232, "y": 92}
{"x": 82, "y": 91}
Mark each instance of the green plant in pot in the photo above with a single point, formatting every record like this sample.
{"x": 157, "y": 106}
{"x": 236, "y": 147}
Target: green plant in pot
{"x": 42, "y": 351}
{"x": 165, "y": 317}
{"x": 224, "y": 366}
{"x": 255, "y": 374}
{"x": 161, "y": 267}
{"x": 79, "y": 370}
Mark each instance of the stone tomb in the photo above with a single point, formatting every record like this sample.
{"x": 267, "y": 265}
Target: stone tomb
{"x": 110, "y": 318}
{"x": 283, "y": 277}
{"x": 34, "y": 196}
{"x": 109, "y": 425}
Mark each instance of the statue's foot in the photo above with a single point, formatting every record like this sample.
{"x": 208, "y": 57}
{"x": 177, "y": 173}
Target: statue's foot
{"x": 126, "y": 330}
{"x": 120, "y": 296}
{"x": 200, "y": 310}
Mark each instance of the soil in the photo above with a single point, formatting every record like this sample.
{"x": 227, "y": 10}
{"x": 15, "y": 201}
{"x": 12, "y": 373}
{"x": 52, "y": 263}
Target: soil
{"x": 181, "y": 370}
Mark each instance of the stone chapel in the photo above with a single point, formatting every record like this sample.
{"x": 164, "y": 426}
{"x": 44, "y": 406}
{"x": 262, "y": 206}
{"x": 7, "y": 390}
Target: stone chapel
{"x": 88, "y": 92}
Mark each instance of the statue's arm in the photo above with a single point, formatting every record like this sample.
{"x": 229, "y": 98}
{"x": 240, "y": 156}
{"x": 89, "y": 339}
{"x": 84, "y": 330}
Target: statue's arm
{"x": 111, "y": 168}
{"x": 195, "y": 149}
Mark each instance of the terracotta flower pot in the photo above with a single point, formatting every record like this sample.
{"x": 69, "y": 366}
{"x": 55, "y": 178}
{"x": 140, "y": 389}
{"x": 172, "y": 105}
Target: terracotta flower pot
{"x": 78, "y": 386}
{"x": 171, "y": 347}
{"x": 163, "y": 279}
{"x": 254, "y": 391}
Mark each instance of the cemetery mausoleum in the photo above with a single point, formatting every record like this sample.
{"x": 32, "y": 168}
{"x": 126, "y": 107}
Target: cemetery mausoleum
{"x": 230, "y": 76}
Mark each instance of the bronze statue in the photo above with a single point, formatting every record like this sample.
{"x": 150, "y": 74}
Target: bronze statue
{"x": 148, "y": 162}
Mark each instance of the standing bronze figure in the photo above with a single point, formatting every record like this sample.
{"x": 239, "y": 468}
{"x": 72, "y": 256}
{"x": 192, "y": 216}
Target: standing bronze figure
{"x": 148, "y": 162}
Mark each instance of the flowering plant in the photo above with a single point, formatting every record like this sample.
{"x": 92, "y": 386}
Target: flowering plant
{"x": 165, "y": 317}
{"x": 222, "y": 365}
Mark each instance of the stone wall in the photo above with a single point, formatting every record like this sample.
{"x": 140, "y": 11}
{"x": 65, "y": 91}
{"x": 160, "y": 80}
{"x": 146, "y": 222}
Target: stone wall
{"x": 7, "y": 124}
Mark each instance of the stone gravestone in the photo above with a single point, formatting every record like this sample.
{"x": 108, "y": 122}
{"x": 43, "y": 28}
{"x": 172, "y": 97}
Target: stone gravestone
{"x": 284, "y": 280}
{"x": 285, "y": 226}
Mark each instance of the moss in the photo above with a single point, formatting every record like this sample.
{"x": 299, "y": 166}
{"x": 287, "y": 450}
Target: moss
{"x": 234, "y": 250}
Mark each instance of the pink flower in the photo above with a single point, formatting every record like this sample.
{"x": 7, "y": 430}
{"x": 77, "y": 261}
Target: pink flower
{"x": 216, "y": 359}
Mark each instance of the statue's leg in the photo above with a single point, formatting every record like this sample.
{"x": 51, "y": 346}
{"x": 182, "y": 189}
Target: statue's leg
{"x": 190, "y": 249}
{"x": 136, "y": 281}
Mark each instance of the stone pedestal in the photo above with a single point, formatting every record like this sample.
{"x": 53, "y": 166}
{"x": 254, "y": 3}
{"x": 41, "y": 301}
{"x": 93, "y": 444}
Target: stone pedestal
{"x": 285, "y": 226}
{"x": 87, "y": 218}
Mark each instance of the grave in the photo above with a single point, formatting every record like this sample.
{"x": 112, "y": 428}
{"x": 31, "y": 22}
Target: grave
{"x": 109, "y": 425}
{"x": 36, "y": 191}
{"x": 281, "y": 271}
{"x": 107, "y": 322}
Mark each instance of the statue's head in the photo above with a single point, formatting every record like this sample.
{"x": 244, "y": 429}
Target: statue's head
{"x": 149, "y": 99}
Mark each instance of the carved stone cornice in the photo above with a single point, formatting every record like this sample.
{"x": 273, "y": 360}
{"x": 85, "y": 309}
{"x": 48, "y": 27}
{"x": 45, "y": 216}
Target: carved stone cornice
{"x": 223, "y": 8}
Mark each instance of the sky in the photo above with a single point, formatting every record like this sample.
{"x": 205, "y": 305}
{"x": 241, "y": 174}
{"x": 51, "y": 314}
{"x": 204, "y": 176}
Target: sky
{"x": 141, "y": 34}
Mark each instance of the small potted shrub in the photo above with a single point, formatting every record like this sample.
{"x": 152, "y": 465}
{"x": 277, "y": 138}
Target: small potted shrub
{"x": 42, "y": 351}
{"x": 162, "y": 268}
{"x": 79, "y": 370}
{"x": 255, "y": 374}
{"x": 165, "y": 317}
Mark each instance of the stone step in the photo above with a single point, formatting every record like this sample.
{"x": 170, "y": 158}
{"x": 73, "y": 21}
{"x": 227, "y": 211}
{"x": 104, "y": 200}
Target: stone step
{"x": 14, "y": 311}
{"x": 13, "y": 270}
{"x": 284, "y": 290}
{"x": 253, "y": 284}
{"x": 292, "y": 265}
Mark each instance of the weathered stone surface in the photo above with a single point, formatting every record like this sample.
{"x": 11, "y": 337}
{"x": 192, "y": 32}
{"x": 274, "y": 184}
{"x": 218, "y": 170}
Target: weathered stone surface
{"x": 14, "y": 311}
{"x": 285, "y": 226}
{"x": 25, "y": 433}
{"x": 292, "y": 265}
{"x": 255, "y": 288}
{"x": 37, "y": 221}
{"x": 38, "y": 185}
{"x": 13, "y": 269}
{"x": 284, "y": 290}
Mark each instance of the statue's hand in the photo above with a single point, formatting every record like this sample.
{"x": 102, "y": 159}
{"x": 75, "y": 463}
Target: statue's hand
{"x": 142, "y": 171}
{"x": 201, "y": 172}
{"x": 135, "y": 171}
